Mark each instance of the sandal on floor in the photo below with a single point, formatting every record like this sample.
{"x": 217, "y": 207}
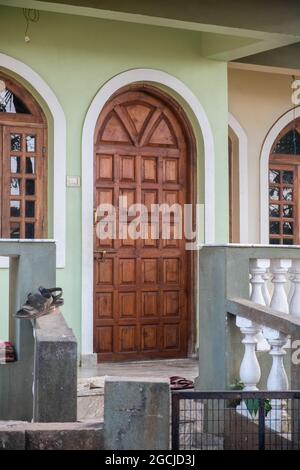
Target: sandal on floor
{"x": 180, "y": 383}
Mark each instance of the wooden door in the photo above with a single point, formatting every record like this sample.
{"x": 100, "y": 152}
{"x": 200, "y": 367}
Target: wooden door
{"x": 140, "y": 286}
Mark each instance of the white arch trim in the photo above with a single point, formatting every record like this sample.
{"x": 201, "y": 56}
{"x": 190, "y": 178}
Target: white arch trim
{"x": 110, "y": 87}
{"x": 59, "y": 147}
{"x": 280, "y": 124}
{"x": 243, "y": 177}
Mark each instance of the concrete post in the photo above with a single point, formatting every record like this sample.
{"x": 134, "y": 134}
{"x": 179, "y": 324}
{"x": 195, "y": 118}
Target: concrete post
{"x": 136, "y": 414}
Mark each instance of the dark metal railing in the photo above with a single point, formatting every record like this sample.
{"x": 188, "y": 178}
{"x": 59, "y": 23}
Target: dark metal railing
{"x": 235, "y": 420}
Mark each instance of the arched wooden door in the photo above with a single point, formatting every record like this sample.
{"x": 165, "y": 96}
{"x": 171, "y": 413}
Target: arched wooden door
{"x": 140, "y": 286}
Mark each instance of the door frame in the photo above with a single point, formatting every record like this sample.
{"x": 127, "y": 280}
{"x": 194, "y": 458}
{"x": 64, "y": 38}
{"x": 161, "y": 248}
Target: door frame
{"x": 191, "y": 196}
{"x": 192, "y": 105}
{"x": 283, "y": 121}
{"x": 26, "y": 75}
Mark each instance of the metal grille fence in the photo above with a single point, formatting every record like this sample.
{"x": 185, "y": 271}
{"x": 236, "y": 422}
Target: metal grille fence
{"x": 235, "y": 420}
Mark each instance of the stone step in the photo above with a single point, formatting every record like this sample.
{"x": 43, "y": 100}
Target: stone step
{"x": 90, "y": 399}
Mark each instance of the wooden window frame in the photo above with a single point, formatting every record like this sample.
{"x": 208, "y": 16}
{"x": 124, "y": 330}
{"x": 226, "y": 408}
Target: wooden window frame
{"x": 288, "y": 162}
{"x": 34, "y": 121}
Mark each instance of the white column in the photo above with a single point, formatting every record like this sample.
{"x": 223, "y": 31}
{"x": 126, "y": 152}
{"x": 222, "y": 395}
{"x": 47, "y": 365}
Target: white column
{"x": 279, "y": 269}
{"x": 265, "y": 290}
{"x": 277, "y": 418}
{"x": 250, "y": 369}
{"x": 295, "y": 297}
{"x": 257, "y": 269}
{"x": 259, "y": 292}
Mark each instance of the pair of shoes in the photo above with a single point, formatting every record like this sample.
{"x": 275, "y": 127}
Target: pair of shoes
{"x": 41, "y": 303}
{"x": 180, "y": 383}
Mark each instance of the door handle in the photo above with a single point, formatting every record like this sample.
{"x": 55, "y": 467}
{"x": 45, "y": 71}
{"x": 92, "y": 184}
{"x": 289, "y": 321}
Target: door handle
{"x": 103, "y": 253}
{"x": 95, "y": 216}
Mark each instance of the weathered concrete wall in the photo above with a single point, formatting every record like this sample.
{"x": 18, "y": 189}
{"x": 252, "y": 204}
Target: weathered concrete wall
{"x": 136, "y": 414}
{"x": 31, "y": 264}
{"x": 46, "y": 348}
{"x": 54, "y": 436}
{"x": 55, "y": 371}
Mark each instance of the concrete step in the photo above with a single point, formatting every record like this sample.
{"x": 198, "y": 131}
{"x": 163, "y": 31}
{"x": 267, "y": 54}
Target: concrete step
{"x": 90, "y": 399}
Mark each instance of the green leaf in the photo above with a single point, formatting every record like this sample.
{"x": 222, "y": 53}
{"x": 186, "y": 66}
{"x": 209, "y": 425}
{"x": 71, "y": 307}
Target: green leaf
{"x": 252, "y": 405}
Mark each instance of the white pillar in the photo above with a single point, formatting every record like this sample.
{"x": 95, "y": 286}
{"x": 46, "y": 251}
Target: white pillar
{"x": 250, "y": 369}
{"x": 277, "y": 418}
{"x": 295, "y": 297}
{"x": 279, "y": 269}
{"x": 259, "y": 292}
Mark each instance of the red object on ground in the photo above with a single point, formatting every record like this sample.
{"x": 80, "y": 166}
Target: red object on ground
{"x": 7, "y": 352}
{"x": 180, "y": 383}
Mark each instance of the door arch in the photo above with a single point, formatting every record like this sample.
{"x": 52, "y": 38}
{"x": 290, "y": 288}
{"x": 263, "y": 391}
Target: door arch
{"x": 284, "y": 182}
{"x": 23, "y": 163}
{"x": 143, "y": 150}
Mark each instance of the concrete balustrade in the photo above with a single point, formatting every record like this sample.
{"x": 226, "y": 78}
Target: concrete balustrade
{"x": 41, "y": 384}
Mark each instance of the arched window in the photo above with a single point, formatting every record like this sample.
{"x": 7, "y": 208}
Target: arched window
{"x": 284, "y": 177}
{"x": 23, "y": 163}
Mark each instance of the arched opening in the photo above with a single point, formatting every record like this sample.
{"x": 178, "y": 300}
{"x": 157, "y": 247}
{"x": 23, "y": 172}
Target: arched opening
{"x": 284, "y": 179}
{"x": 143, "y": 289}
{"x": 23, "y": 163}
{"x": 234, "y": 188}
{"x": 238, "y": 182}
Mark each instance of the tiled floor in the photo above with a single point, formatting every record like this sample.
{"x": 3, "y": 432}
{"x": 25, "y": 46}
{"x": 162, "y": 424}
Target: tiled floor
{"x": 187, "y": 368}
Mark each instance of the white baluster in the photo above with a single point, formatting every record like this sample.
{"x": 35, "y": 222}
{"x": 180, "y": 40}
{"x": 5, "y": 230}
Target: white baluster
{"x": 279, "y": 269}
{"x": 277, "y": 418}
{"x": 259, "y": 292}
{"x": 292, "y": 285}
{"x": 249, "y": 370}
{"x": 257, "y": 269}
{"x": 295, "y": 298}
{"x": 265, "y": 290}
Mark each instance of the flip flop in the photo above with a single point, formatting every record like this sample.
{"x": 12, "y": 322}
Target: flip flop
{"x": 180, "y": 383}
{"x": 57, "y": 299}
{"x": 35, "y": 306}
{"x": 41, "y": 303}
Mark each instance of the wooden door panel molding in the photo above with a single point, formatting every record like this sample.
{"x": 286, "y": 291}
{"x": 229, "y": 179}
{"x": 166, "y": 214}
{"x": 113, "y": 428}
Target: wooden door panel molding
{"x": 141, "y": 300}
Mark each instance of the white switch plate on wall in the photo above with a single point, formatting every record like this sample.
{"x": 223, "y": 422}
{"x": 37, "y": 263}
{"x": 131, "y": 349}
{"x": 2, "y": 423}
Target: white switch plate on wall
{"x": 73, "y": 181}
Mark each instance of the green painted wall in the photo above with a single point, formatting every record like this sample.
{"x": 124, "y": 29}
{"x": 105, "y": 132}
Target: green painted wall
{"x": 76, "y": 56}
